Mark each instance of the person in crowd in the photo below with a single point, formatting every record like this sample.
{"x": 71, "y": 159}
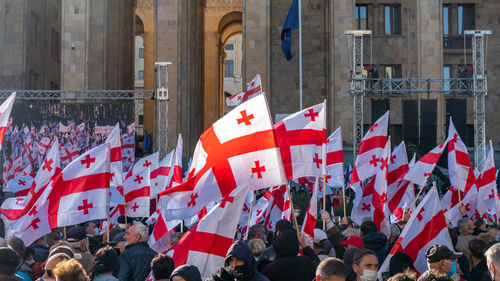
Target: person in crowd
{"x": 348, "y": 259}
{"x": 269, "y": 254}
{"x": 442, "y": 263}
{"x": 119, "y": 243}
{"x": 239, "y": 265}
{"x": 256, "y": 246}
{"x": 321, "y": 245}
{"x": 24, "y": 270}
{"x": 374, "y": 240}
{"x": 9, "y": 261}
{"x": 54, "y": 236}
{"x": 91, "y": 228}
{"x": 493, "y": 261}
{"x": 35, "y": 268}
{"x": 52, "y": 261}
{"x": 479, "y": 270}
{"x": 463, "y": 261}
{"x": 162, "y": 267}
{"x": 333, "y": 234}
{"x": 401, "y": 263}
{"x": 365, "y": 265}
{"x": 353, "y": 241}
{"x": 41, "y": 250}
{"x": 106, "y": 265}
{"x": 466, "y": 229}
{"x": 257, "y": 231}
{"x": 393, "y": 237}
{"x": 479, "y": 226}
{"x": 331, "y": 269}
{"x": 404, "y": 276}
{"x": 136, "y": 259}
{"x": 77, "y": 238}
{"x": 287, "y": 265}
{"x": 95, "y": 241}
{"x": 486, "y": 237}
{"x": 70, "y": 270}
{"x": 186, "y": 273}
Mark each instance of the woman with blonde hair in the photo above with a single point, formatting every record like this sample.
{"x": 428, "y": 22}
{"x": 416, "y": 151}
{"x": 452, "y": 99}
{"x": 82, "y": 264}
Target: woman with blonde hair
{"x": 70, "y": 270}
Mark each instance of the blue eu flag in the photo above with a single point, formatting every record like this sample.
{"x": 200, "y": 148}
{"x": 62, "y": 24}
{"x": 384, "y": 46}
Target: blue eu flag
{"x": 292, "y": 21}
{"x": 148, "y": 143}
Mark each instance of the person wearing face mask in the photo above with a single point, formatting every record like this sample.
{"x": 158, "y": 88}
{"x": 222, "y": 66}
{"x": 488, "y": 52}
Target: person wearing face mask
{"x": 136, "y": 259}
{"x": 239, "y": 265}
{"x": 77, "y": 238}
{"x": 93, "y": 236}
{"x": 442, "y": 263}
{"x": 493, "y": 262}
{"x": 365, "y": 265}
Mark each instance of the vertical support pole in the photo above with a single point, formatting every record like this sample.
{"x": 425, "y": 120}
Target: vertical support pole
{"x": 161, "y": 108}
{"x": 300, "y": 53}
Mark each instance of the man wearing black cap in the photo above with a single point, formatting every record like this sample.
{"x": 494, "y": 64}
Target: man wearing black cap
{"x": 442, "y": 262}
{"x": 119, "y": 243}
{"x": 9, "y": 262}
{"x": 77, "y": 237}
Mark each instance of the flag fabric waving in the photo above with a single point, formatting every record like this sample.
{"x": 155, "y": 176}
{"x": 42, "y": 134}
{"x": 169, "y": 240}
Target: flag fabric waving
{"x": 311, "y": 216}
{"x": 334, "y": 160}
{"x": 291, "y": 22}
{"x": 5, "y": 110}
{"x": 422, "y": 170}
{"x": 379, "y": 196}
{"x": 487, "y": 203}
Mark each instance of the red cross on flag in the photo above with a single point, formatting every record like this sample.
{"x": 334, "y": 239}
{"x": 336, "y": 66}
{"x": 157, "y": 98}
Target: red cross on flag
{"x": 422, "y": 170}
{"x": 115, "y": 165}
{"x": 379, "y": 196}
{"x": 68, "y": 152}
{"x": 487, "y": 192}
{"x": 459, "y": 166}
{"x": 469, "y": 201}
{"x": 254, "y": 88}
{"x": 12, "y": 204}
{"x": 235, "y": 99}
{"x": 239, "y": 145}
{"x": 81, "y": 191}
{"x": 44, "y": 145}
{"x": 35, "y": 223}
{"x": 5, "y": 110}
{"x": 334, "y": 159}
{"x": 278, "y": 207}
{"x": 311, "y": 216}
{"x": 426, "y": 227}
{"x": 162, "y": 174}
{"x": 137, "y": 192}
{"x": 400, "y": 192}
{"x": 116, "y": 212}
{"x": 205, "y": 245}
{"x": 176, "y": 171}
{"x": 301, "y": 137}
{"x": 19, "y": 186}
{"x": 362, "y": 204}
{"x": 370, "y": 150}
{"x": 260, "y": 207}
{"x": 128, "y": 150}
{"x": 245, "y": 213}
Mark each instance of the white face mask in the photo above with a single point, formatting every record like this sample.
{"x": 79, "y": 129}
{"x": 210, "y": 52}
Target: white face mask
{"x": 96, "y": 231}
{"x": 368, "y": 275}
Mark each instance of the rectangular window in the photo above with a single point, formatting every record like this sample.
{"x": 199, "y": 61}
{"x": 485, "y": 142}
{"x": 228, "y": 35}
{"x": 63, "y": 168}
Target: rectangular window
{"x": 428, "y": 124}
{"x": 465, "y": 18}
{"x": 141, "y": 53}
{"x": 392, "y": 19}
{"x": 229, "y": 47}
{"x": 446, "y": 20}
{"x": 229, "y": 68}
{"x": 141, "y": 75}
{"x": 446, "y": 75}
{"x": 457, "y": 110}
{"x": 141, "y": 119}
{"x": 362, "y": 17}
{"x": 55, "y": 48}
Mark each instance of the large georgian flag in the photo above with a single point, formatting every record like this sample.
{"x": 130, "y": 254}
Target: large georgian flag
{"x": 379, "y": 196}
{"x": 301, "y": 137}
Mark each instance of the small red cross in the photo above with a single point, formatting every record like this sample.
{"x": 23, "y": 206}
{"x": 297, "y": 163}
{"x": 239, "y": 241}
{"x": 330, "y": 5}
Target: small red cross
{"x": 18, "y": 200}
{"x": 393, "y": 157}
{"x": 366, "y": 207}
{"x": 33, "y": 211}
{"x": 312, "y": 114}
{"x": 492, "y": 195}
{"x": 455, "y": 138}
{"x": 135, "y": 206}
{"x": 258, "y": 169}
{"x": 86, "y": 206}
{"x": 245, "y": 208}
{"x": 427, "y": 174}
{"x": 374, "y": 161}
{"x": 317, "y": 160}
{"x": 21, "y": 182}
{"x": 34, "y": 223}
{"x": 327, "y": 178}
{"x": 153, "y": 219}
{"x": 111, "y": 176}
{"x": 47, "y": 165}
{"x": 467, "y": 207}
{"x": 245, "y": 118}
{"x": 226, "y": 199}
{"x": 384, "y": 164}
{"x": 419, "y": 216}
{"x": 258, "y": 212}
{"x": 87, "y": 161}
{"x": 193, "y": 200}
{"x": 138, "y": 179}
{"x": 373, "y": 127}
{"x": 146, "y": 164}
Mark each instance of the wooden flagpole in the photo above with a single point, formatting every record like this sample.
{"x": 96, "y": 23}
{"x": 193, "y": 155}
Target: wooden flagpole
{"x": 324, "y": 200}
{"x": 292, "y": 209}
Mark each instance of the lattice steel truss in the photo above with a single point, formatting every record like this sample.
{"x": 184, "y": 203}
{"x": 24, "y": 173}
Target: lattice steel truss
{"x": 475, "y": 86}
{"x": 61, "y": 95}
{"x": 161, "y": 108}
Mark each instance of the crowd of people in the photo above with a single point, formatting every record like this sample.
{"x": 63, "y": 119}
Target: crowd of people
{"x": 343, "y": 251}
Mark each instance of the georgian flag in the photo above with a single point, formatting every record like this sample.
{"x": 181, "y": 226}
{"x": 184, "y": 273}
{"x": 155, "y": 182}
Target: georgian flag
{"x": 301, "y": 137}
{"x": 278, "y": 207}
{"x": 176, "y": 171}
{"x": 260, "y": 207}
{"x": 137, "y": 193}
{"x": 128, "y": 150}
{"x": 362, "y": 204}
{"x": 19, "y": 186}
{"x": 311, "y": 216}
{"x": 80, "y": 192}
{"x": 379, "y": 196}
{"x": 161, "y": 176}
{"x": 334, "y": 159}
{"x": 422, "y": 170}
{"x": 487, "y": 203}
{"x": 115, "y": 166}
{"x": 5, "y": 110}
{"x": 235, "y": 99}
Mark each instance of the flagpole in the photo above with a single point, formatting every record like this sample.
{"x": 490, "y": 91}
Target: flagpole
{"x": 324, "y": 200}
{"x": 343, "y": 200}
{"x": 300, "y": 52}
{"x": 292, "y": 209}
{"x": 250, "y": 215}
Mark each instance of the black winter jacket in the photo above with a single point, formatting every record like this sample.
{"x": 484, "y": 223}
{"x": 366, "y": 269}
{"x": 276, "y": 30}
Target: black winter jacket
{"x": 241, "y": 251}
{"x": 288, "y": 266}
{"x": 135, "y": 262}
{"x": 266, "y": 257}
{"x": 377, "y": 242}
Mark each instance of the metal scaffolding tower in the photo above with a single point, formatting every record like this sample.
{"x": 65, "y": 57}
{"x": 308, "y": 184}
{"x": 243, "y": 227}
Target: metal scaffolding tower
{"x": 361, "y": 86}
{"x": 161, "y": 108}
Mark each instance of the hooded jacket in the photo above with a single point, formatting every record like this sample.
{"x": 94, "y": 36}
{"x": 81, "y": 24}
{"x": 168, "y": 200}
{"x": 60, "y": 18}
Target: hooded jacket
{"x": 377, "y": 242}
{"x": 288, "y": 266}
{"x": 187, "y": 272}
{"x": 249, "y": 271}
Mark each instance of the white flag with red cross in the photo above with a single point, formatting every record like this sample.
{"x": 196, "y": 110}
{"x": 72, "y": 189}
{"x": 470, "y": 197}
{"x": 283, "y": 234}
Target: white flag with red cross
{"x": 205, "y": 245}
{"x": 5, "y": 110}
{"x": 334, "y": 160}
{"x": 68, "y": 153}
{"x": 487, "y": 203}
{"x": 114, "y": 214}
{"x": 260, "y": 207}
{"x": 379, "y": 196}
{"x": 239, "y": 145}
{"x": 254, "y": 88}
{"x": 19, "y": 186}
{"x": 245, "y": 213}
{"x": 301, "y": 137}
{"x": 278, "y": 207}
{"x": 311, "y": 216}
{"x": 128, "y": 150}
{"x": 176, "y": 171}
{"x": 80, "y": 192}
{"x": 235, "y": 99}
{"x": 115, "y": 166}
{"x": 469, "y": 201}
{"x": 426, "y": 227}
{"x": 160, "y": 178}
{"x": 459, "y": 167}
{"x": 370, "y": 150}
{"x": 422, "y": 170}
{"x": 362, "y": 204}
{"x": 397, "y": 187}
{"x": 44, "y": 145}
{"x": 137, "y": 193}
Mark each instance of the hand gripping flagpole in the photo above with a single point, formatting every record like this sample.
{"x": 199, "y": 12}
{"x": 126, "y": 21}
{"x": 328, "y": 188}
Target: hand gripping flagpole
{"x": 292, "y": 209}
{"x": 300, "y": 52}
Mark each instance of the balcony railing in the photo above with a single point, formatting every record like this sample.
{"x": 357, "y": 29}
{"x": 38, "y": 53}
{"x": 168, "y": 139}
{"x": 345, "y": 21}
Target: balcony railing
{"x": 456, "y": 42}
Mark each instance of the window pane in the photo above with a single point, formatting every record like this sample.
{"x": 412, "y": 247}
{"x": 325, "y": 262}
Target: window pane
{"x": 387, "y": 19}
{"x": 445, "y": 20}
{"x": 469, "y": 18}
{"x": 141, "y": 53}
{"x": 141, "y": 75}
{"x": 446, "y": 75}
{"x": 363, "y": 20}
{"x": 460, "y": 19}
